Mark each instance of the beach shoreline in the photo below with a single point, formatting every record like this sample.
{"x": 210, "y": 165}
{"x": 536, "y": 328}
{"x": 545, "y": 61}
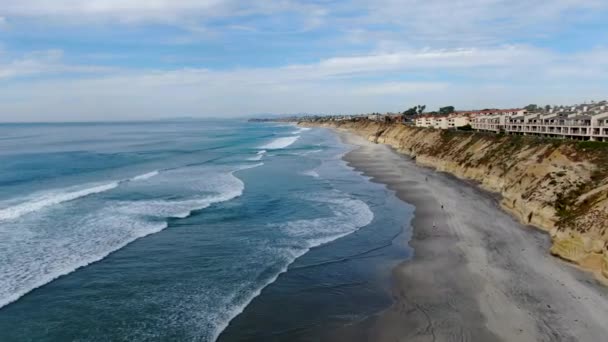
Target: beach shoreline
{"x": 477, "y": 273}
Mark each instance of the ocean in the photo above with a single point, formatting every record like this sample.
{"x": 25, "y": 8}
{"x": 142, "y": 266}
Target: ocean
{"x": 189, "y": 230}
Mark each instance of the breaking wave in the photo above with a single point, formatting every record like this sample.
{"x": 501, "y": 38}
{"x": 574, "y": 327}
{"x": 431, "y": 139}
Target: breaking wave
{"x": 258, "y": 156}
{"x": 46, "y": 199}
{"x": 32, "y": 258}
{"x": 280, "y": 143}
{"x": 349, "y": 215}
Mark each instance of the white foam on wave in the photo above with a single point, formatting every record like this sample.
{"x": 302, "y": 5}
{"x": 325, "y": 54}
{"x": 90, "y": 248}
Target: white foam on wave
{"x": 229, "y": 187}
{"x": 311, "y": 173}
{"x": 39, "y": 201}
{"x": 30, "y": 271}
{"x": 145, "y": 176}
{"x": 33, "y": 259}
{"x": 221, "y": 323}
{"x": 300, "y": 130}
{"x": 305, "y": 153}
{"x": 349, "y": 215}
{"x": 258, "y": 156}
{"x": 280, "y": 143}
{"x": 246, "y": 167}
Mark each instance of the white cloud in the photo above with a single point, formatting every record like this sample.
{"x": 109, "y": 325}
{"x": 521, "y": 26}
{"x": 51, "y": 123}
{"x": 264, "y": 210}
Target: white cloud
{"x": 506, "y": 76}
{"x": 41, "y": 63}
{"x": 451, "y": 23}
{"x": 400, "y": 88}
{"x": 50, "y": 61}
{"x": 437, "y": 23}
{"x": 189, "y": 14}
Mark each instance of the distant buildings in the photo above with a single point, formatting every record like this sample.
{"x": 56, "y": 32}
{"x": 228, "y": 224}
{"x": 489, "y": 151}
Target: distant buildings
{"x": 573, "y": 126}
{"x": 493, "y": 120}
{"x": 449, "y": 121}
{"x": 582, "y": 122}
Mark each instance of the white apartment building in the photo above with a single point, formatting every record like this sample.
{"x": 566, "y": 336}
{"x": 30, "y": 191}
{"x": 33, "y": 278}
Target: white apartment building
{"x": 493, "y": 120}
{"x": 442, "y": 122}
{"x": 573, "y": 126}
{"x": 455, "y": 121}
{"x": 486, "y": 120}
{"x": 431, "y": 121}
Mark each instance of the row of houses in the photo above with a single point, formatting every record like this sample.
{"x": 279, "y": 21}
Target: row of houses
{"x": 463, "y": 118}
{"x": 573, "y": 124}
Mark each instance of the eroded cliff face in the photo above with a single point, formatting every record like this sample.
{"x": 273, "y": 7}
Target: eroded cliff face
{"x": 560, "y": 186}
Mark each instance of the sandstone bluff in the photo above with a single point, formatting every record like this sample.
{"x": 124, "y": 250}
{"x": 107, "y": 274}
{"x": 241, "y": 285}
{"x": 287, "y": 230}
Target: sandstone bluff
{"x": 559, "y": 186}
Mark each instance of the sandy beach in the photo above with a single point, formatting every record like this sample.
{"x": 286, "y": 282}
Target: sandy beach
{"x": 477, "y": 274}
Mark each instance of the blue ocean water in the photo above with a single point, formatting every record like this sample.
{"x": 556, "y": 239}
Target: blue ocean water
{"x": 171, "y": 230}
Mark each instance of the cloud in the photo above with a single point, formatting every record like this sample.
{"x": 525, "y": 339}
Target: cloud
{"x": 450, "y": 23}
{"x": 44, "y": 63}
{"x": 189, "y": 14}
{"x": 436, "y": 23}
{"x": 400, "y": 88}
{"x": 50, "y": 61}
{"x": 294, "y": 55}
{"x": 506, "y": 76}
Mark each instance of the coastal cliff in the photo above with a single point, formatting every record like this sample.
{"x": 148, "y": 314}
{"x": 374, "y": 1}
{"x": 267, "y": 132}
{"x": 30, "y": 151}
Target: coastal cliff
{"x": 560, "y": 186}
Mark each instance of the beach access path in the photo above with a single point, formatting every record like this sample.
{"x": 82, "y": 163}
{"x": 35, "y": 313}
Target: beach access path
{"x": 477, "y": 274}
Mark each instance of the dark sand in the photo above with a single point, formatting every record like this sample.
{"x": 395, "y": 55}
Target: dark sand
{"x": 477, "y": 274}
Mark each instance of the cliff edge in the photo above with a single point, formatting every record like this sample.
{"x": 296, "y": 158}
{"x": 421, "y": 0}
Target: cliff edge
{"x": 560, "y": 186}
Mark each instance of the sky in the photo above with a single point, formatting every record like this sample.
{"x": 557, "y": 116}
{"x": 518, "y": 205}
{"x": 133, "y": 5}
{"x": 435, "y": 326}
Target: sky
{"x": 76, "y": 60}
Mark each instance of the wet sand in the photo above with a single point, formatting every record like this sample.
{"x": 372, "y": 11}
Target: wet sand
{"x": 477, "y": 274}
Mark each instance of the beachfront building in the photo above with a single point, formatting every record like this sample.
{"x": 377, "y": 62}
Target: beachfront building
{"x": 453, "y": 120}
{"x": 573, "y": 126}
{"x": 493, "y": 120}
{"x": 440, "y": 122}
{"x": 456, "y": 120}
{"x": 374, "y": 117}
{"x": 428, "y": 121}
{"x": 425, "y": 121}
{"x": 581, "y": 122}
{"x": 419, "y": 121}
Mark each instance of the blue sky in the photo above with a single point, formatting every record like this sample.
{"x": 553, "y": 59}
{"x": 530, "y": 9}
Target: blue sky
{"x": 147, "y": 59}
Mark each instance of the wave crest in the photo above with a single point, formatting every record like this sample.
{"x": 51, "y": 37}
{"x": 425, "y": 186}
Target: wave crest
{"x": 33, "y": 259}
{"x": 44, "y": 200}
{"x": 280, "y": 143}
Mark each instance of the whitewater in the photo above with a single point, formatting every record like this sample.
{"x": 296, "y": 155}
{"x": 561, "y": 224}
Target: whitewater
{"x": 165, "y": 233}
{"x": 39, "y": 201}
{"x": 38, "y": 258}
